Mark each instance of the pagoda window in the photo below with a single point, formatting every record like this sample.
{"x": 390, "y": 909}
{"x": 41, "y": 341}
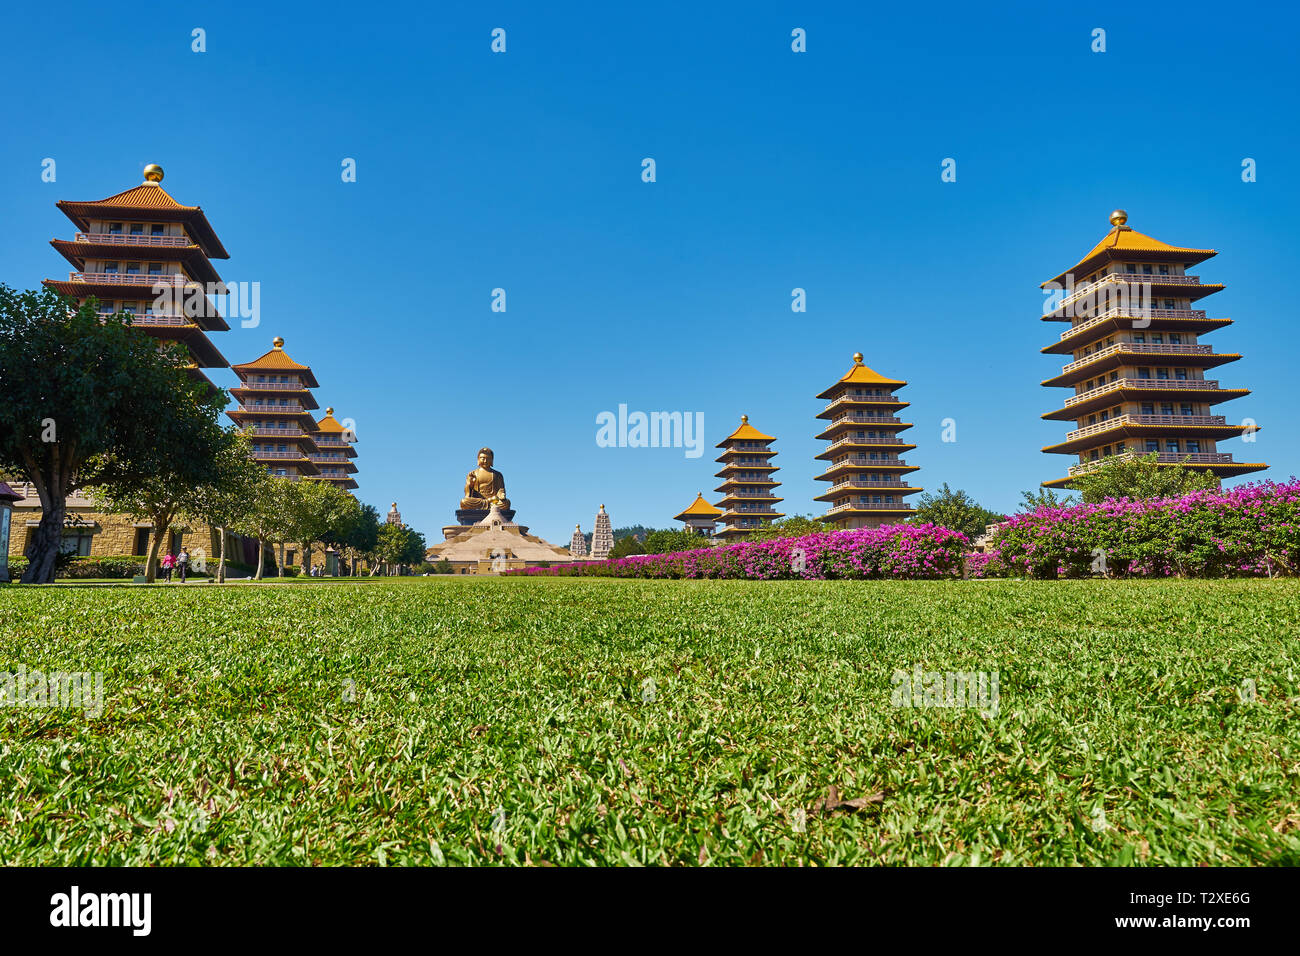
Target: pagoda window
{"x": 1105, "y": 416}
{"x": 155, "y": 268}
{"x": 1144, "y": 372}
{"x": 133, "y": 268}
{"x": 1162, "y": 373}
{"x": 137, "y": 229}
{"x": 1114, "y": 376}
{"x": 1139, "y": 337}
{"x": 1172, "y": 445}
{"x": 1193, "y": 446}
{"x": 1166, "y": 408}
{"x": 111, "y": 267}
{"x": 281, "y": 447}
{"x": 1152, "y": 445}
{"x": 1148, "y": 408}
{"x": 114, "y": 228}
{"x": 1175, "y": 338}
{"x": 128, "y": 308}
{"x": 1094, "y": 455}
{"x": 1146, "y": 270}
{"x": 1092, "y": 419}
{"x": 1164, "y": 270}
{"x": 157, "y": 229}
{"x": 1157, "y": 338}
{"x": 1170, "y": 304}
{"x": 1180, "y": 374}
{"x": 1186, "y": 408}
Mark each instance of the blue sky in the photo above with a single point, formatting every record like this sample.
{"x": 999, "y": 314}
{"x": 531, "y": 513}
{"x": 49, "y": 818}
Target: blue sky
{"x": 775, "y": 170}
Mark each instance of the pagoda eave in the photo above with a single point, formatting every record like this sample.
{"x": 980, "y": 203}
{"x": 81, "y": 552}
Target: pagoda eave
{"x": 1109, "y": 363}
{"x": 1122, "y": 324}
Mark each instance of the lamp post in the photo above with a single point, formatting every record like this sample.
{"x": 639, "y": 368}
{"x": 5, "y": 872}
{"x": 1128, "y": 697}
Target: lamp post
{"x": 7, "y": 498}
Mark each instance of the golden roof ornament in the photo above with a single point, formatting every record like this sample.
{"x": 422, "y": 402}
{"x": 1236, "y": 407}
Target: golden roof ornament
{"x": 857, "y": 358}
{"x": 1118, "y": 218}
{"x": 278, "y": 342}
{"x": 744, "y": 419}
{"x": 153, "y": 173}
{"x": 330, "y": 410}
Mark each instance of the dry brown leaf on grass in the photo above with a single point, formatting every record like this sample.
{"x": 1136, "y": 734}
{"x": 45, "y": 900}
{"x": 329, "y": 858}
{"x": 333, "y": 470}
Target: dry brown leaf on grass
{"x": 832, "y": 802}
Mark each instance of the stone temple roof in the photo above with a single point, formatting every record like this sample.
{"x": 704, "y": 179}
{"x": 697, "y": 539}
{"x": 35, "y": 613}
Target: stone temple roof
{"x": 495, "y": 534}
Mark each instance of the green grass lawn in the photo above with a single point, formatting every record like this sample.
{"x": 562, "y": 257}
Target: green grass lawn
{"x": 612, "y": 721}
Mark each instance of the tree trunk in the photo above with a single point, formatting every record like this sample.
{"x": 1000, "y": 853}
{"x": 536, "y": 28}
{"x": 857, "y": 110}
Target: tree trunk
{"x": 47, "y": 540}
{"x": 151, "y": 563}
{"x": 261, "y": 558}
{"x": 279, "y": 558}
{"x": 221, "y": 561}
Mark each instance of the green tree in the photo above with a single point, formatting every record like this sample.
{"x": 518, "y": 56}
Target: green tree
{"x": 667, "y": 540}
{"x": 625, "y": 546}
{"x": 795, "y": 526}
{"x": 268, "y": 518}
{"x": 1043, "y": 498}
{"x": 955, "y": 510}
{"x": 89, "y": 402}
{"x": 1139, "y": 477}
{"x": 399, "y": 545}
{"x": 316, "y": 508}
{"x": 227, "y": 500}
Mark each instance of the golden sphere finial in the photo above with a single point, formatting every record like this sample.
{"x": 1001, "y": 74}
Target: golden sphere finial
{"x": 744, "y": 419}
{"x": 278, "y": 342}
{"x": 153, "y": 173}
{"x": 857, "y": 358}
{"x": 330, "y": 410}
{"x": 1118, "y": 217}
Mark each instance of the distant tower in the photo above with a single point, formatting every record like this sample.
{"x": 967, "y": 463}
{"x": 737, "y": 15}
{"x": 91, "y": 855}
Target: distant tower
{"x": 869, "y": 481}
{"x": 578, "y": 543}
{"x": 701, "y": 517}
{"x": 748, "y": 481}
{"x": 602, "y": 539}
{"x": 394, "y": 516}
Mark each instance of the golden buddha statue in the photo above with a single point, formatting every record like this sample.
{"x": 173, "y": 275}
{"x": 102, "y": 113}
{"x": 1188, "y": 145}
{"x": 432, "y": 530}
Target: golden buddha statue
{"x": 485, "y": 484}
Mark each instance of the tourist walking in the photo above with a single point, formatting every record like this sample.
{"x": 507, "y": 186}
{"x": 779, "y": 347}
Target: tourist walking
{"x": 183, "y": 563}
{"x": 168, "y": 562}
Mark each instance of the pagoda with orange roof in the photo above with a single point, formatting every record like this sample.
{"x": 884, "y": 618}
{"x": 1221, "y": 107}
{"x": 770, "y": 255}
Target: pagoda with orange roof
{"x": 869, "y": 482}
{"x": 747, "y": 481}
{"x": 275, "y": 407}
{"x": 701, "y": 517}
{"x": 143, "y": 253}
{"x": 1137, "y": 369}
{"x": 334, "y": 458}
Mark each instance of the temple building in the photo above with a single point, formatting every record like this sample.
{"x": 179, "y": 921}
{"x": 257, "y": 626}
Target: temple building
{"x": 1138, "y": 364}
{"x": 335, "y": 454}
{"x": 274, "y": 404}
{"x": 748, "y": 480}
{"x": 143, "y": 253}
{"x": 700, "y": 517}
{"x": 578, "y": 543}
{"x": 869, "y": 482}
{"x": 602, "y": 536}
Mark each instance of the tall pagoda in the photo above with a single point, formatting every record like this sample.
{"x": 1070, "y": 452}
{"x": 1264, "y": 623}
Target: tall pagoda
{"x": 143, "y": 253}
{"x": 602, "y": 537}
{"x": 700, "y": 517}
{"x": 1137, "y": 369}
{"x": 869, "y": 482}
{"x": 748, "y": 480}
{"x": 275, "y": 404}
{"x": 578, "y": 543}
{"x": 334, "y": 458}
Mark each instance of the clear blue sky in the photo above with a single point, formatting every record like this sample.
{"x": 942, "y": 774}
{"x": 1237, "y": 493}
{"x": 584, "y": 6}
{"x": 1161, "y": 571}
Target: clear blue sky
{"x": 775, "y": 170}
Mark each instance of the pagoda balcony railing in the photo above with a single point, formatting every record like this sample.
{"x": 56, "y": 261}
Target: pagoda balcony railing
{"x": 123, "y": 239}
{"x": 871, "y": 506}
{"x": 151, "y": 318}
{"x": 1137, "y": 348}
{"x": 271, "y": 409}
{"x": 1199, "y": 384}
{"x": 1187, "y": 420}
{"x": 868, "y": 483}
{"x": 864, "y": 462}
{"x": 865, "y": 441}
{"x": 257, "y": 455}
{"x": 287, "y": 386}
{"x": 331, "y": 442}
{"x": 286, "y": 477}
{"x": 1133, "y": 313}
{"x": 748, "y": 463}
{"x": 1131, "y": 278}
{"x": 133, "y": 278}
{"x": 750, "y": 510}
{"x": 272, "y": 430}
{"x": 338, "y": 459}
{"x": 1164, "y": 457}
{"x": 859, "y": 398}
{"x": 752, "y": 494}
{"x": 865, "y": 420}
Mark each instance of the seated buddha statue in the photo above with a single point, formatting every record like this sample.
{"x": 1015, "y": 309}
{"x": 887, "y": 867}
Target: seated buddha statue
{"x": 485, "y": 484}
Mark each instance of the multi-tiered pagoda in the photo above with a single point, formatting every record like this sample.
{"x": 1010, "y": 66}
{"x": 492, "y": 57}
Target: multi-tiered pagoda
{"x": 143, "y": 253}
{"x": 334, "y": 458}
{"x": 748, "y": 480}
{"x": 275, "y": 404}
{"x": 700, "y": 517}
{"x": 1138, "y": 366}
{"x": 869, "y": 481}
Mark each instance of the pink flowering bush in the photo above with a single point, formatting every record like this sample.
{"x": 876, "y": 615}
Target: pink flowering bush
{"x": 1250, "y": 530}
{"x": 894, "y": 551}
